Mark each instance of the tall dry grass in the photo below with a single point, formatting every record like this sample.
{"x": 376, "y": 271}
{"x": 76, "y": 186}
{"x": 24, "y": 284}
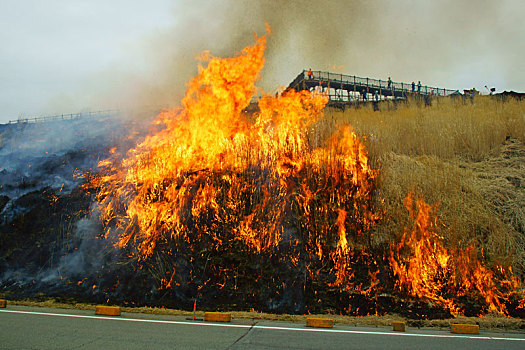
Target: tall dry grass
{"x": 466, "y": 155}
{"x": 449, "y": 128}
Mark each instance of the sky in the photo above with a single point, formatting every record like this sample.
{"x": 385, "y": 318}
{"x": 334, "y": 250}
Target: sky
{"x": 59, "y": 56}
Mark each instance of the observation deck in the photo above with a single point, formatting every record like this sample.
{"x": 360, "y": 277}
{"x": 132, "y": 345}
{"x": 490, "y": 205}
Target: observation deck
{"x": 349, "y": 88}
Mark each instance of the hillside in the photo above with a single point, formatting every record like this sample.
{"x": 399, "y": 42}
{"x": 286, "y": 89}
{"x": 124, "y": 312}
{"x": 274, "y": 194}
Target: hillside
{"x": 473, "y": 170}
{"x": 413, "y": 207}
{"x": 465, "y": 155}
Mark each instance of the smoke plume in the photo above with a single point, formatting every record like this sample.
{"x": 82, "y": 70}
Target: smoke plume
{"x": 448, "y": 44}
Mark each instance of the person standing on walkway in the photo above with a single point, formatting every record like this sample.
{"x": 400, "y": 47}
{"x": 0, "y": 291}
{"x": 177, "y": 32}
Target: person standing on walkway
{"x": 389, "y": 82}
{"x": 310, "y": 74}
{"x": 419, "y": 87}
{"x": 413, "y": 87}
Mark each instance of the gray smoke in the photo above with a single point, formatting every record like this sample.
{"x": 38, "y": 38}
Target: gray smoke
{"x": 38, "y": 155}
{"x": 447, "y": 43}
{"x": 85, "y": 260}
{"x": 47, "y": 235}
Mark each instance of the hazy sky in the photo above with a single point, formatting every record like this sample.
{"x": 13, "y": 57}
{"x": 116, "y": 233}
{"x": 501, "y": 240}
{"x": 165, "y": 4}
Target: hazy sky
{"x": 59, "y": 56}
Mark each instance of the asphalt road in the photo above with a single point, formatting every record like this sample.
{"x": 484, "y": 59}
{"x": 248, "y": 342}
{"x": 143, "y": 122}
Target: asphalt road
{"x": 40, "y": 328}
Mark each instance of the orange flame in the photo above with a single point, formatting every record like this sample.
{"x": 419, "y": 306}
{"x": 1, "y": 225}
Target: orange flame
{"x": 429, "y": 271}
{"x": 214, "y": 172}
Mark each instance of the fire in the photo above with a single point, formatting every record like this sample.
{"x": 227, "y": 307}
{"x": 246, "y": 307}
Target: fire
{"x": 213, "y": 183}
{"x": 426, "y": 269}
{"x": 212, "y": 173}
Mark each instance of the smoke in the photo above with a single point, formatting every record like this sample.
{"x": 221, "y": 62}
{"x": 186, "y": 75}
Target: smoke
{"x": 305, "y": 34}
{"x": 85, "y": 259}
{"x": 447, "y": 44}
{"x": 34, "y": 156}
{"x": 49, "y": 237}
{"x": 118, "y": 54}
{"x": 80, "y": 257}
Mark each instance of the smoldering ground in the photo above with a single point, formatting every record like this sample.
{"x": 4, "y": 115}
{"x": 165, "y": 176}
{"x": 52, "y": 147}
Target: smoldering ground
{"x": 47, "y": 232}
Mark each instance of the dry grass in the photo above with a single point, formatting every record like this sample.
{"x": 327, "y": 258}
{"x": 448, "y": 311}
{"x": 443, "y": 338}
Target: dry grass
{"x": 449, "y": 129}
{"x": 468, "y": 156}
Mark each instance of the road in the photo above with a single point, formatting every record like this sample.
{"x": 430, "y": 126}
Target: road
{"x": 41, "y": 328}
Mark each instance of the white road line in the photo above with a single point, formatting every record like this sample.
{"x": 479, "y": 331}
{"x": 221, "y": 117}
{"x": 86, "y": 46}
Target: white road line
{"x": 127, "y": 319}
{"x": 389, "y": 333}
{"x": 398, "y": 334}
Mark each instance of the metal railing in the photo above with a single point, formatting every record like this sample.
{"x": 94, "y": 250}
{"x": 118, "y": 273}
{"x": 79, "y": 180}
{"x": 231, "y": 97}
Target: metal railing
{"x": 336, "y": 80}
{"x": 70, "y": 116}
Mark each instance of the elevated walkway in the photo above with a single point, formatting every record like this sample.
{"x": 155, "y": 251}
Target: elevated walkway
{"x": 348, "y": 88}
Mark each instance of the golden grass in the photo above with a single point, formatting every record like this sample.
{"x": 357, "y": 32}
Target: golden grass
{"x": 449, "y": 129}
{"x": 466, "y": 155}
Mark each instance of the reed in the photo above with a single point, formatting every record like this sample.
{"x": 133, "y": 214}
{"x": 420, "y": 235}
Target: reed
{"x": 466, "y": 155}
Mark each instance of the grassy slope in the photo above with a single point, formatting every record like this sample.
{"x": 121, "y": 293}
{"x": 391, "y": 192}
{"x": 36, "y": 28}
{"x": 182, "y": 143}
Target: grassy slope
{"x": 468, "y": 156}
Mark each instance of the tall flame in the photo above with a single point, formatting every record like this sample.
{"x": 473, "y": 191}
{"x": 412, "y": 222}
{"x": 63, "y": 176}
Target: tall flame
{"x": 212, "y": 169}
{"x": 213, "y": 178}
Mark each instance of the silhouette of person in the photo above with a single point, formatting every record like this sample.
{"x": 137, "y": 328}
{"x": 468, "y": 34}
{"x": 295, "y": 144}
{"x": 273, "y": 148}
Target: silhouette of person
{"x": 413, "y": 87}
{"x": 419, "y": 86}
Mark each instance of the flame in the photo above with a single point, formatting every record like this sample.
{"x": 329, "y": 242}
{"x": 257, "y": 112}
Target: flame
{"x": 170, "y": 171}
{"x": 213, "y": 178}
{"x": 212, "y": 173}
{"x": 426, "y": 269}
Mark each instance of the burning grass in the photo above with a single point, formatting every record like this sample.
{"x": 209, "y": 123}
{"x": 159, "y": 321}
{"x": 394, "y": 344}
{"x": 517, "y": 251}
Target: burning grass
{"x": 291, "y": 211}
{"x": 214, "y": 201}
{"x": 467, "y": 157}
{"x": 301, "y": 206}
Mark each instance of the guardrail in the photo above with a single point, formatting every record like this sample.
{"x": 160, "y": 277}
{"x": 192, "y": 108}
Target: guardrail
{"x": 91, "y": 114}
